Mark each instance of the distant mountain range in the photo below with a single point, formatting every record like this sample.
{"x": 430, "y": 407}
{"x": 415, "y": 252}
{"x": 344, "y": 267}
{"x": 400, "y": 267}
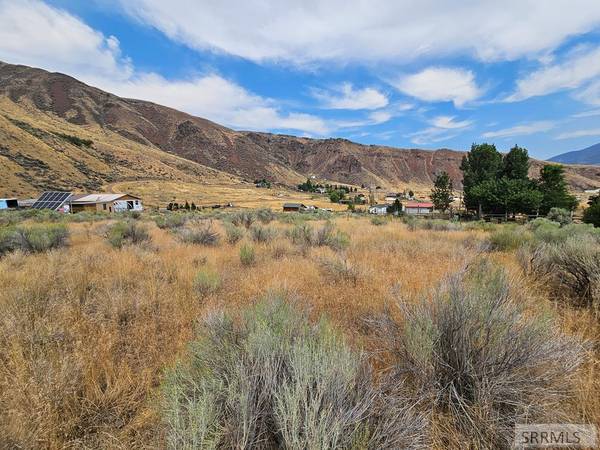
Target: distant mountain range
{"x": 59, "y": 133}
{"x": 589, "y": 155}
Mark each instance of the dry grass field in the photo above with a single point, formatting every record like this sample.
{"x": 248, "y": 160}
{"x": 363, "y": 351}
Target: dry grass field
{"x": 88, "y": 330}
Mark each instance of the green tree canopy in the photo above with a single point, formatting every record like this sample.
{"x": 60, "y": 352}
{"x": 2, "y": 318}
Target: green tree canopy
{"x": 441, "y": 194}
{"x": 553, "y": 187}
{"x": 516, "y": 164}
{"x": 592, "y": 214}
{"x": 481, "y": 165}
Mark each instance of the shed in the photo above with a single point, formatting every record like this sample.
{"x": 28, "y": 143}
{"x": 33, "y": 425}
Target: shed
{"x": 105, "y": 202}
{"x": 290, "y": 207}
{"x": 9, "y": 203}
{"x": 379, "y": 210}
{"x": 417, "y": 208}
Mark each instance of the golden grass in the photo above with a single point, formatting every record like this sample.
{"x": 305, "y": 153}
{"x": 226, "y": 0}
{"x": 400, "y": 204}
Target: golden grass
{"x": 87, "y": 331}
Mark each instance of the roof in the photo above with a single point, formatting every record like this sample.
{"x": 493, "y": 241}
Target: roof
{"x": 97, "y": 198}
{"x": 418, "y": 205}
{"x": 379, "y": 206}
{"x": 293, "y": 205}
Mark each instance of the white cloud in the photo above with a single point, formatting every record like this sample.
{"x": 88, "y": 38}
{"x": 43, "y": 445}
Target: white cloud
{"x": 346, "y": 97}
{"x": 33, "y": 33}
{"x": 590, "y": 94}
{"x": 356, "y": 30}
{"x": 442, "y": 129}
{"x": 590, "y": 113}
{"x": 577, "y": 68}
{"x": 521, "y": 130}
{"x": 579, "y": 133}
{"x": 439, "y": 84}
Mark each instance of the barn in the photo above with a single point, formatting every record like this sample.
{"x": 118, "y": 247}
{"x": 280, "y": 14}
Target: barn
{"x": 293, "y": 207}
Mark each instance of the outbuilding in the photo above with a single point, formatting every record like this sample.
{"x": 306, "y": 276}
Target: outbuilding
{"x": 105, "y": 203}
{"x": 293, "y": 207}
{"x": 9, "y": 203}
{"x": 417, "y": 208}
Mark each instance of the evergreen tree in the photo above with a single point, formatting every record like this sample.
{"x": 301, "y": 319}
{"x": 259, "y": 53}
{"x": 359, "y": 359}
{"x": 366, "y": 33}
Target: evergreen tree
{"x": 187, "y": 206}
{"x": 193, "y": 206}
{"x": 592, "y": 214}
{"x": 554, "y": 190}
{"x": 441, "y": 194}
{"x": 480, "y": 167}
{"x": 516, "y": 164}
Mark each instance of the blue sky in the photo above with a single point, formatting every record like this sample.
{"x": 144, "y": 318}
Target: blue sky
{"x": 427, "y": 74}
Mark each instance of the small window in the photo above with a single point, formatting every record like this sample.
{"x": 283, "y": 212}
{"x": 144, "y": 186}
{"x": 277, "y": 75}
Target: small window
{"x": 104, "y": 205}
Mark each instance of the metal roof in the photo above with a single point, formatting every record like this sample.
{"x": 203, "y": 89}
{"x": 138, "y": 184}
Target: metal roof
{"x": 97, "y": 198}
{"x": 418, "y": 205}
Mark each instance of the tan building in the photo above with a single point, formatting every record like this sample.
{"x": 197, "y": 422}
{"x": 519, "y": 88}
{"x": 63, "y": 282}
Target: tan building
{"x": 105, "y": 203}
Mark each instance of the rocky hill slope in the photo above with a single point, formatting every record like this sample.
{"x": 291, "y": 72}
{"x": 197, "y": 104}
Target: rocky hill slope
{"x": 42, "y": 114}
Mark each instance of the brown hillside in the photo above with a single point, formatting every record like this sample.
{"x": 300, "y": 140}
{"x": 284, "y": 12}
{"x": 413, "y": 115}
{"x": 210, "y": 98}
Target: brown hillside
{"x": 131, "y": 137}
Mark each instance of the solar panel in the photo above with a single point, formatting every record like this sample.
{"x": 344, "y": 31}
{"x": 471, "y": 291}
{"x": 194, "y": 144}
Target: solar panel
{"x": 51, "y": 200}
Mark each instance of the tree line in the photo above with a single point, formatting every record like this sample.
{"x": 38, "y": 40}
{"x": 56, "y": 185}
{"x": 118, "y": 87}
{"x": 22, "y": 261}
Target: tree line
{"x": 494, "y": 183}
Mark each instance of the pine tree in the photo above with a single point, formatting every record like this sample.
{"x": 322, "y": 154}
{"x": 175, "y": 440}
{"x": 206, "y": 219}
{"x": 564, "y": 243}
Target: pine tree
{"x": 441, "y": 194}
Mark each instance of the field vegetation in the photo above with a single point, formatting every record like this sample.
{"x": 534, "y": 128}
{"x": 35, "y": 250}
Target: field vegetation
{"x": 254, "y": 329}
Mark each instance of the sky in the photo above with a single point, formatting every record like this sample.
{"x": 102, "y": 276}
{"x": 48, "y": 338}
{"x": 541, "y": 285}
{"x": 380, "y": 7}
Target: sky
{"x": 412, "y": 74}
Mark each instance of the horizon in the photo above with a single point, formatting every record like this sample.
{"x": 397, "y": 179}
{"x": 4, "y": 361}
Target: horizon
{"x": 365, "y": 77}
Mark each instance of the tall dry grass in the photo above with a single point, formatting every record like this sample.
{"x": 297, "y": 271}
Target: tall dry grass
{"x": 88, "y": 331}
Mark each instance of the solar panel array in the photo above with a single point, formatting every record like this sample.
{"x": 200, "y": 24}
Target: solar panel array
{"x": 51, "y": 200}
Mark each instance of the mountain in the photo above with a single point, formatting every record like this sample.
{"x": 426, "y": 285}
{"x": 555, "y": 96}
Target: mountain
{"x": 589, "y": 155}
{"x": 58, "y": 132}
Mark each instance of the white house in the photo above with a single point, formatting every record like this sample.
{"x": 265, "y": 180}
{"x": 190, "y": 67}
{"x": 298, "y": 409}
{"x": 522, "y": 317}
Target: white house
{"x": 380, "y": 210}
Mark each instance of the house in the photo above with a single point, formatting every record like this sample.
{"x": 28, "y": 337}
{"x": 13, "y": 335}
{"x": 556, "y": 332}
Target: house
{"x": 380, "y": 210}
{"x": 417, "y": 208}
{"x": 9, "y": 203}
{"x": 293, "y": 207}
{"x": 105, "y": 202}
{"x": 321, "y": 190}
{"x": 391, "y": 197}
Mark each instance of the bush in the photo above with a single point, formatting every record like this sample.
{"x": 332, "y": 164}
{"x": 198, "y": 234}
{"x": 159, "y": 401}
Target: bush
{"x": 411, "y": 222}
{"x": 234, "y": 234}
{"x": 259, "y": 233}
{"x": 247, "y": 255}
{"x": 207, "y": 282}
{"x": 509, "y": 237}
{"x": 560, "y": 215}
{"x": 127, "y": 232}
{"x": 481, "y": 361}
{"x": 201, "y": 235}
{"x": 327, "y": 235}
{"x": 572, "y": 265}
{"x": 378, "y": 220}
{"x": 33, "y": 239}
{"x": 340, "y": 269}
{"x": 273, "y": 380}
{"x": 265, "y": 215}
{"x": 243, "y": 218}
{"x": 170, "y": 221}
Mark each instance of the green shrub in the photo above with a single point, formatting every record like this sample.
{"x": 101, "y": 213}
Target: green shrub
{"x": 274, "y": 380}
{"x": 207, "y": 282}
{"x": 485, "y": 364}
{"x": 127, "y": 232}
{"x": 572, "y": 265}
{"x": 247, "y": 255}
{"x": 411, "y": 222}
{"x": 200, "y": 235}
{"x": 509, "y": 237}
{"x": 301, "y": 235}
{"x": 259, "y": 233}
{"x": 379, "y": 220}
{"x": 265, "y": 215}
{"x": 327, "y": 235}
{"x": 170, "y": 221}
{"x": 340, "y": 269}
{"x": 560, "y": 215}
{"x": 234, "y": 234}
{"x": 34, "y": 238}
{"x": 243, "y": 218}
